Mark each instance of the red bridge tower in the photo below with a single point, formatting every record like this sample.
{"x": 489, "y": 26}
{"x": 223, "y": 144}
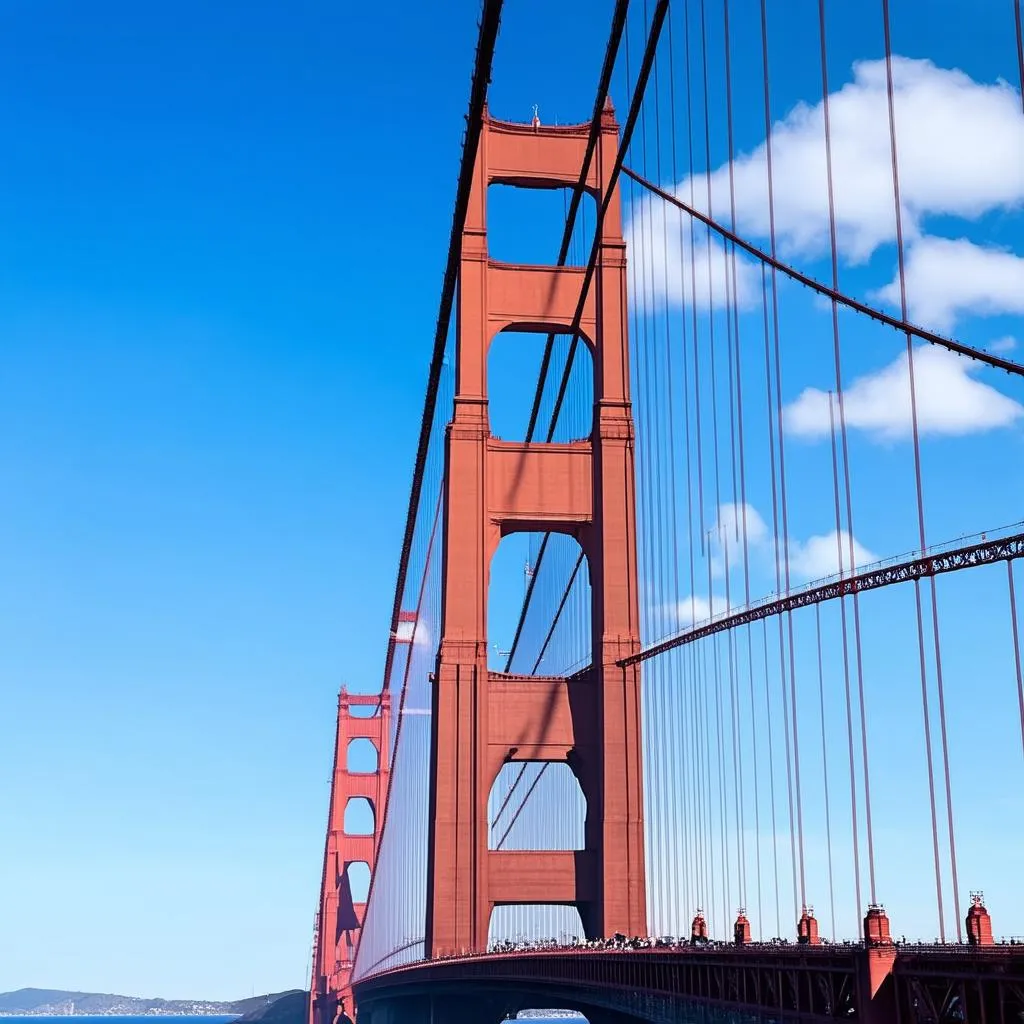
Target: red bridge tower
{"x": 340, "y": 917}
{"x": 483, "y": 719}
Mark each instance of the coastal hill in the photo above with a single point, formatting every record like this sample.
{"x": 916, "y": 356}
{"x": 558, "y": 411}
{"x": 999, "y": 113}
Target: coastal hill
{"x": 285, "y": 1008}
{"x": 51, "y": 1001}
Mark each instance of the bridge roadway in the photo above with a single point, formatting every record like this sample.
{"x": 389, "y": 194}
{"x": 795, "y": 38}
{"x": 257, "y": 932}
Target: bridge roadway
{"x": 898, "y": 984}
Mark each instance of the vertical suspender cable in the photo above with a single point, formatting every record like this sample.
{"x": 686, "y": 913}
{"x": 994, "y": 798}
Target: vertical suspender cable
{"x": 837, "y": 360}
{"x": 824, "y": 772}
{"x": 782, "y": 483}
{"x": 698, "y": 419}
{"x": 696, "y": 852}
{"x": 781, "y": 563}
{"x": 890, "y": 95}
{"x": 724, "y": 528}
{"x": 640, "y": 315}
{"x": 715, "y": 651}
{"x": 1016, "y": 648}
{"x": 700, "y": 654}
{"x": 771, "y": 779}
{"x": 738, "y": 377}
{"x": 711, "y": 283}
{"x": 859, "y": 907}
{"x": 666, "y": 544}
{"x": 655, "y": 421}
{"x": 679, "y": 790}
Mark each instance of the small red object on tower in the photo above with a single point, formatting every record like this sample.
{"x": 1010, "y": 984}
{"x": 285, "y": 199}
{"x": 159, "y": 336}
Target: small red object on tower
{"x": 741, "y": 929}
{"x": 876, "y": 926}
{"x": 807, "y": 928}
{"x": 979, "y": 924}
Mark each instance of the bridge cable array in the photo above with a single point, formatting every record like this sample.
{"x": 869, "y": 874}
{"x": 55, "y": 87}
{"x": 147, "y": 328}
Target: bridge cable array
{"x": 846, "y": 555}
{"x": 780, "y": 761}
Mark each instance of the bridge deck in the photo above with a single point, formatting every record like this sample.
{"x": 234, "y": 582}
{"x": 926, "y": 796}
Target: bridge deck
{"x": 789, "y": 982}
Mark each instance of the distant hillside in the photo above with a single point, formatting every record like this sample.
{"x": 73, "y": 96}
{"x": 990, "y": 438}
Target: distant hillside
{"x": 43, "y": 1001}
{"x": 284, "y": 1008}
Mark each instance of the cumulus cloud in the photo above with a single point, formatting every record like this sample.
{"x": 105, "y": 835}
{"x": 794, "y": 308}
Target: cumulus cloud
{"x": 670, "y": 265}
{"x": 827, "y": 555}
{"x": 946, "y": 277}
{"x": 695, "y": 609}
{"x": 811, "y": 559}
{"x": 949, "y": 400}
{"x": 944, "y": 120}
{"x": 735, "y": 519}
{"x": 960, "y": 146}
{"x": 1001, "y": 346}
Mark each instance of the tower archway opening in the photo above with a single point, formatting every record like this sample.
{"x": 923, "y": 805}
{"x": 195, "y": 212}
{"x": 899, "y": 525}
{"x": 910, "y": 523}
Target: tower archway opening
{"x": 539, "y": 606}
{"x": 358, "y": 872}
{"x": 526, "y": 224}
{"x": 362, "y": 710}
{"x": 536, "y": 805}
{"x": 522, "y": 926}
{"x": 362, "y": 757}
{"x": 515, "y": 361}
{"x": 360, "y": 819}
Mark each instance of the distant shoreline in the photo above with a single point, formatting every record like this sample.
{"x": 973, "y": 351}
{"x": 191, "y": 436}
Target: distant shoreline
{"x": 46, "y": 1005}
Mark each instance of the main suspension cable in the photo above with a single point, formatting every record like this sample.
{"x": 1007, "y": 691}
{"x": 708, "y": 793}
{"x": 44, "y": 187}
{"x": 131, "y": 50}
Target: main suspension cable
{"x": 901, "y": 325}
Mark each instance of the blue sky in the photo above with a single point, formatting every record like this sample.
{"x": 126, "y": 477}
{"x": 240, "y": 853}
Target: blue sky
{"x": 224, "y": 234}
{"x": 222, "y": 247}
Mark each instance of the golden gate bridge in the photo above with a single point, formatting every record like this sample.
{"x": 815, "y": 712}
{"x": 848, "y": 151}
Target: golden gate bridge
{"x": 762, "y": 585}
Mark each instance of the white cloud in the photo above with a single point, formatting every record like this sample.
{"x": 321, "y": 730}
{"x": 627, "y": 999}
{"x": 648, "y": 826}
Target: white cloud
{"x": 1003, "y": 345}
{"x": 814, "y": 558}
{"x": 735, "y": 519}
{"x": 695, "y": 609}
{"x": 727, "y": 534}
{"x": 827, "y": 555}
{"x": 670, "y": 266}
{"x": 946, "y": 277}
{"x": 945, "y": 123}
{"x": 817, "y": 557}
{"x": 949, "y": 400}
{"x": 961, "y": 153}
